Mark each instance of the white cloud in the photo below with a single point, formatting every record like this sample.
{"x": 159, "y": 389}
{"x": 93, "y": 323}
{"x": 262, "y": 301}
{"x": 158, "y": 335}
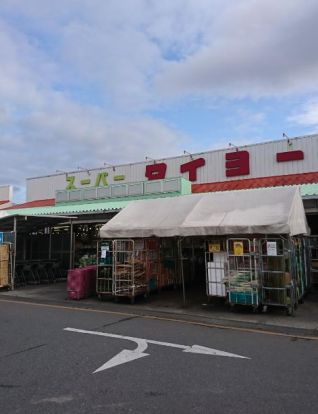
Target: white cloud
{"x": 307, "y": 115}
{"x": 244, "y": 120}
{"x": 93, "y": 139}
{"x": 121, "y": 68}
{"x": 43, "y": 127}
{"x": 257, "y": 49}
{"x": 241, "y": 48}
{"x": 24, "y": 71}
{"x": 67, "y": 135}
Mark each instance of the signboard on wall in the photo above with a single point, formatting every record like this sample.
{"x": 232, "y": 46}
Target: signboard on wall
{"x": 281, "y": 157}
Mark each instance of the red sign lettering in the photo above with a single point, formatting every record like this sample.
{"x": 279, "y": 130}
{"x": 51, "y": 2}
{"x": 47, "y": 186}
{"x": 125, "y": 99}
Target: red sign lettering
{"x": 156, "y": 171}
{"x": 192, "y": 167}
{"x": 237, "y": 163}
{"x": 289, "y": 156}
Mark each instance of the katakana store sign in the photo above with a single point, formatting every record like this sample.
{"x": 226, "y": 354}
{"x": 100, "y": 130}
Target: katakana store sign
{"x": 236, "y": 164}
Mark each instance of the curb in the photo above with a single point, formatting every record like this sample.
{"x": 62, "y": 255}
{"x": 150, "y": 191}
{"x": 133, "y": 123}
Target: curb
{"x": 175, "y": 315}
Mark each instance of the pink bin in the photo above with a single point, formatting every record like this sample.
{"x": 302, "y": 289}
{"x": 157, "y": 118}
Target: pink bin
{"x": 78, "y": 286}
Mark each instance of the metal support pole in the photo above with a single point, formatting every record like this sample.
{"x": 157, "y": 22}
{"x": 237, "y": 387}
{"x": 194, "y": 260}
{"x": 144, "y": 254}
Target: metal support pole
{"x": 192, "y": 262}
{"x": 31, "y": 247}
{"x": 181, "y": 270}
{"x": 50, "y": 243}
{"x": 24, "y": 246}
{"x": 14, "y": 251}
{"x": 71, "y": 244}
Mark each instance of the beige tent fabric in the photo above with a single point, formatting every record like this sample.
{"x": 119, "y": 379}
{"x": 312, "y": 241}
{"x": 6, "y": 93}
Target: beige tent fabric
{"x": 261, "y": 211}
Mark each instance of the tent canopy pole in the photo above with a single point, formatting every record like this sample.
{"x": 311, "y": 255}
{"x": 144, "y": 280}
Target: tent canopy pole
{"x": 50, "y": 243}
{"x": 181, "y": 270}
{"x": 15, "y": 226}
{"x": 71, "y": 244}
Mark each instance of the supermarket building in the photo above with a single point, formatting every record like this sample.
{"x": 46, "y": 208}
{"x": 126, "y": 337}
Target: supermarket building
{"x": 63, "y": 212}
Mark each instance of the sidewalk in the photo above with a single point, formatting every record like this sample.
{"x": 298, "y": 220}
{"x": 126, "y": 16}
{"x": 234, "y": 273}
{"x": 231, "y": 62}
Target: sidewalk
{"x": 168, "y": 305}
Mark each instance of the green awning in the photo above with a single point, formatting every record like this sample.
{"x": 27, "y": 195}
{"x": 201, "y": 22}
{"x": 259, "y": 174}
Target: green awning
{"x": 82, "y": 207}
{"x": 309, "y": 190}
{"x": 73, "y": 208}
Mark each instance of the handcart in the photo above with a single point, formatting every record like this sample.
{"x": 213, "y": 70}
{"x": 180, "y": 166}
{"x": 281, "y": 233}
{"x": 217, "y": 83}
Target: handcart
{"x": 242, "y": 281}
{"x": 216, "y": 266}
{"x": 278, "y": 285}
{"x": 105, "y": 268}
{"x": 129, "y": 273}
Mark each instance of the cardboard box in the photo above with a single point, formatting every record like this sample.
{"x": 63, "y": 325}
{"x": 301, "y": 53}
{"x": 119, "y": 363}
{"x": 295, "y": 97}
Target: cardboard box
{"x": 4, "y": 252}
{"x": 4, "y": 275}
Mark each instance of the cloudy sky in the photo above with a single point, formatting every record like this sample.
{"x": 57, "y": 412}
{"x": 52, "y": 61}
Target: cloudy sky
{"x": 83, "y": 82}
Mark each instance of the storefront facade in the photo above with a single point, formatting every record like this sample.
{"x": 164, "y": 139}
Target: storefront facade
{"x": 86, "y": 199}
{"x": 276, "y": 163}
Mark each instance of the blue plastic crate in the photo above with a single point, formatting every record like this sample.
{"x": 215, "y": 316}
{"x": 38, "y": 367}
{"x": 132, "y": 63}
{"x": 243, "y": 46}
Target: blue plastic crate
{"x": 243, "y": 298}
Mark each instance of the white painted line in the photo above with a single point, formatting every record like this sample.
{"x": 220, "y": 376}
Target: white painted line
{"x": 142, "y": 344}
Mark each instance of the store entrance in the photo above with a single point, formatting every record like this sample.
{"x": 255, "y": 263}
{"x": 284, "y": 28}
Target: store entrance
{"x": 194, "y": 271}
{"x": 175, "y": 270}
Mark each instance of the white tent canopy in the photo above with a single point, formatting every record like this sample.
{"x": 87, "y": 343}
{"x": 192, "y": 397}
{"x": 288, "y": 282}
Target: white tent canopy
{"x": 261, "y": 211}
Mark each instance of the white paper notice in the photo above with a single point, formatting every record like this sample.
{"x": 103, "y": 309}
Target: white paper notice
{"x": 103, "y": 253}
{"x": 271, "y": 248}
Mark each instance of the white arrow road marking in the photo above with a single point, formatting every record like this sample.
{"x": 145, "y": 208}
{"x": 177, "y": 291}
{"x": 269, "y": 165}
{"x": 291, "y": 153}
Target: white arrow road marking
{"x": 142, "y": 344}
{"x": 126, "y": 355}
